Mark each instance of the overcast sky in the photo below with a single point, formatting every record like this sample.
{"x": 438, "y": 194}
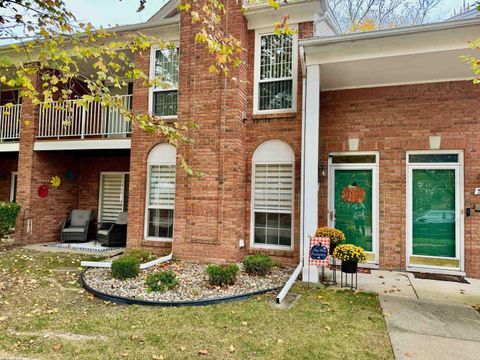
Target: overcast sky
{"x": 112, "y": 12}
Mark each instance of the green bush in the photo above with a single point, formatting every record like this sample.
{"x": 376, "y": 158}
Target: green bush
{"x": 141, "y": 254}
{"x": 8, "y": 216}
{"x": 222, "y": 275}
{"x": 125, "y": 267}
{"x": 161, "y": 281}
{"x": 258, "y": 264}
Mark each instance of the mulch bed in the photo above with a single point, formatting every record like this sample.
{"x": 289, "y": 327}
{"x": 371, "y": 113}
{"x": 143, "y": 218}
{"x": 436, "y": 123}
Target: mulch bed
{"x": 193, "y": 283}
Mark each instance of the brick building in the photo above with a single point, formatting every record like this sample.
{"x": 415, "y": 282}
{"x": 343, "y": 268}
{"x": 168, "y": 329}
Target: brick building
{"x": 386, "y": 118}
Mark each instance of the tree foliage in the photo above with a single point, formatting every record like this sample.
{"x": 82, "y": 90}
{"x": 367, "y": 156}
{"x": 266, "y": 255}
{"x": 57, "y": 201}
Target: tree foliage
{"x": 50, "y": 43}
{"x": 366, "y": 15}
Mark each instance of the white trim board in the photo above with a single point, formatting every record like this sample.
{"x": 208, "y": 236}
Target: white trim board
{"x": 10, "y": 147}
{"x": 54, "y": 145}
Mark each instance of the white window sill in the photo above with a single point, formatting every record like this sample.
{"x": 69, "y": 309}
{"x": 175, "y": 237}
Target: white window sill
{"x": 270, "y": 247}
{"x": 167, "y": 240}
{"x": 275, "y": 112}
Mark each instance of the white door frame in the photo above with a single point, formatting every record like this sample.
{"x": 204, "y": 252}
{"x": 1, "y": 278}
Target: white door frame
{"x": 13, "y": 185}
{"x": 459, "y": 213}
{"x": 375, "y": 195}
{"x": 100, "y": 189}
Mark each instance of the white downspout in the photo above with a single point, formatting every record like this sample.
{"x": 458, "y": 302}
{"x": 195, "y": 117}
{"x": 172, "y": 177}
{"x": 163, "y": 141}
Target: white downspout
{"x": 298, "y": 270}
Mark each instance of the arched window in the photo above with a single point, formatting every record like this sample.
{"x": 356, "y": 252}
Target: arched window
{"x": 160, "y": 192}
{"x": 272, "y": 195}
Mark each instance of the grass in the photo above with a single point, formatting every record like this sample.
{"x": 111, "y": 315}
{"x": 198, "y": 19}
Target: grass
{"x": 43, "y": 312}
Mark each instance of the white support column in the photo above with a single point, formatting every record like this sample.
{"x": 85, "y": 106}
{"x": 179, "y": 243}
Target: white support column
{"x": 309, "y": 193}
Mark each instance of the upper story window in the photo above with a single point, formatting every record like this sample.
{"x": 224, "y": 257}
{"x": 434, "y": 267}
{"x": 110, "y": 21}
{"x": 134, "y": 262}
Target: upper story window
{"x": 275, "y": 72}
{"x": 164, "y": 97}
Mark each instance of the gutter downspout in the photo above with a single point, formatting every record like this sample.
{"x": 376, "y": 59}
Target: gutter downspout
{"x": 298, "y": 270}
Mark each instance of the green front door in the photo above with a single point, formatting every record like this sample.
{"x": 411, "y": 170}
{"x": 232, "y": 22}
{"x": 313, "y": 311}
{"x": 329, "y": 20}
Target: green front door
{"x": 353, "y": 206}
{"x": 433, "y": 212}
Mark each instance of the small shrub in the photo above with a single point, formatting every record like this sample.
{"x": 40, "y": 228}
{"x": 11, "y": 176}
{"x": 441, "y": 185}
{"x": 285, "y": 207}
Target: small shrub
{"x": 222, "y": 275}
{"x": 8, "y": 216}
{"x": 141, "y": 254}
{"x": 161, "y": 281}
{"x": 258, "y": 264}
{"x": 125, "y": 267}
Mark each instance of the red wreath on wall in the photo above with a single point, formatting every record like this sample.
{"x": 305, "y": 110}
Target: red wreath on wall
{"x": 42, "y": 191}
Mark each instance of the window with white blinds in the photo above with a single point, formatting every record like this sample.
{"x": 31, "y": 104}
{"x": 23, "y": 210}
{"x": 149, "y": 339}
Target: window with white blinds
{"x": 273, "y": 204}
{"x": 273, "y": 187}
{"x": 113, "y": 196}
{"x": 161, "y": 201}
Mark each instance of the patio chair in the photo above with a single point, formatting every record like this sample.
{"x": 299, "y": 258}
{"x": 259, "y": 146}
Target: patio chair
{"x": 75, "y": 229}
{"x": 114, "y": 234}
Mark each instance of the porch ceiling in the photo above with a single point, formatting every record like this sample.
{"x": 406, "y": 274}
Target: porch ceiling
{"x": 417, "y": 54}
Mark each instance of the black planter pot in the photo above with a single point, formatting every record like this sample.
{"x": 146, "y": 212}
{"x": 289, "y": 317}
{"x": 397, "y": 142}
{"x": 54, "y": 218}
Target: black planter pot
{"x": 349, "y": 267}
{"x": 332, "y": 248}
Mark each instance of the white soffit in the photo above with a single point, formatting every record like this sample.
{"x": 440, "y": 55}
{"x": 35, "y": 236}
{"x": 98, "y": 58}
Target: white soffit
{"x": 428, "y": 53}
{"x": 107, "y": 144}
{"x": 9, "y": 147}
{"x": 263, "y": 15}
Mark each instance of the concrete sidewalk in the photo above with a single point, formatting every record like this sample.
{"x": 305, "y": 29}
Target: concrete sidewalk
{"x": 405, "y": 285}
{"x": 427, "y": 319}
{"x": 424, "y": 329}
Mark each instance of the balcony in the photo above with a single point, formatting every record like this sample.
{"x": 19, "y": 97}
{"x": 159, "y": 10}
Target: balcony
{"x": 83, "y": 126}
{"x": 10, "y": 127}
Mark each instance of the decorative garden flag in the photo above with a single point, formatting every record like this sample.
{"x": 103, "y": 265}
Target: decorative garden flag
{"x": 319, "y": 251}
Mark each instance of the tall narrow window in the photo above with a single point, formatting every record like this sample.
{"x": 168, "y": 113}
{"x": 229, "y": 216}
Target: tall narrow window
{"x": 164, "y": 95}
{"x": 160, "y": 193}
{"x": 272, "y": 195}
{"x": 276, "y": 72}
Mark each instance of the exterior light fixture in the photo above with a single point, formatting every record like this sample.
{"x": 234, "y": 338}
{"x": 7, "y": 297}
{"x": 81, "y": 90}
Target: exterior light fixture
{"x": 353, "y": 144}
{"x": 435, "y": 141}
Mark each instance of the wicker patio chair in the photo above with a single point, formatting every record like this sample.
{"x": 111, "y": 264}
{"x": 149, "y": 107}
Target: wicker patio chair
{"x": 114, "y": 234}
{"x": 75, "y": 229}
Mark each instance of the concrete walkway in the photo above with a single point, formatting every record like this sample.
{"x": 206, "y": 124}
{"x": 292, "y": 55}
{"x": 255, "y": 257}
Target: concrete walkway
{"x": 423, "y": 329}
{"x": 427, "y": 319}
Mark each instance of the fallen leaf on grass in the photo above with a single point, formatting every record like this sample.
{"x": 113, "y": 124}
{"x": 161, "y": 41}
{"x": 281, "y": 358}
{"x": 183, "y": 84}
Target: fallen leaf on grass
{"x": 203, "y": 352}
{"x": 244, "y": 323}
{"x": 232, "y": 349}
{"x": 328, "y": 328}
{"x": 183, "y": 348}
{"x": 57, "y": 347}
{"x": 159, "y": 357}
{"x": 280, "y": 341}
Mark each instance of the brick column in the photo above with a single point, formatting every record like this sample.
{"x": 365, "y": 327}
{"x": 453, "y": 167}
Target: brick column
{"x": 28, "y": 128}
{"x": 210, "y": 211}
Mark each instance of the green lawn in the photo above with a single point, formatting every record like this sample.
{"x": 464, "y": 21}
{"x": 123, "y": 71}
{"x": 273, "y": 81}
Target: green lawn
{"x": 43, "y": 311}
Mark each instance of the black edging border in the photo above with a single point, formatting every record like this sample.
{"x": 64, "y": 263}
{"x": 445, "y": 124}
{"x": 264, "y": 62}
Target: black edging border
{"x": 204, "y": 302}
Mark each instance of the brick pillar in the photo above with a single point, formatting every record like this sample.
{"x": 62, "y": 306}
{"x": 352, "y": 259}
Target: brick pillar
{"x": 210, "y": 211}
{"x": 28, "y": 128}
{"x": 35, "y": 169}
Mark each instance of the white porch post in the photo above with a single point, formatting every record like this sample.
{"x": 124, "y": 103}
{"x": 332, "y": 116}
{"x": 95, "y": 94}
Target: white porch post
{"x": 309, "y": 183}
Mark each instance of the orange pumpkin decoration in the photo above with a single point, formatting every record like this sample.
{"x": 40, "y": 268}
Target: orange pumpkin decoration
{"x": 353, "y": 194}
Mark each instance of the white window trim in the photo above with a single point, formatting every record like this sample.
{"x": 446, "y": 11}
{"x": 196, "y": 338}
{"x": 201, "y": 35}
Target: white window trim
{"x": 258, "y": 34}
{"x": 152, "y": 89}
{"x": 14, "y": 179}
{"x": 100, "y": 190}
{"x": 254, "y": 245}
{"x": 153, "y": 238}
{"x": 460, "y": 221}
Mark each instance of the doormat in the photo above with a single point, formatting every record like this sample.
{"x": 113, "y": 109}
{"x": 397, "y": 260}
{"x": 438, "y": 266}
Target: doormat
{"x": 441, "y": 277}
{"x": 88, "y": 247}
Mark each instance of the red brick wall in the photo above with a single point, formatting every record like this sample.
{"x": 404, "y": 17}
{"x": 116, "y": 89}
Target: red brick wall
{"x": 392, "y": 120}
{"x": 8, "y": 163}
{"x": 210, "y": 211}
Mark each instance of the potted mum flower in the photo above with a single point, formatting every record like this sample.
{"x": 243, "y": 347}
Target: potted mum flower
{"x": 350, "y": 255}
{"x": 336, "y": 236}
